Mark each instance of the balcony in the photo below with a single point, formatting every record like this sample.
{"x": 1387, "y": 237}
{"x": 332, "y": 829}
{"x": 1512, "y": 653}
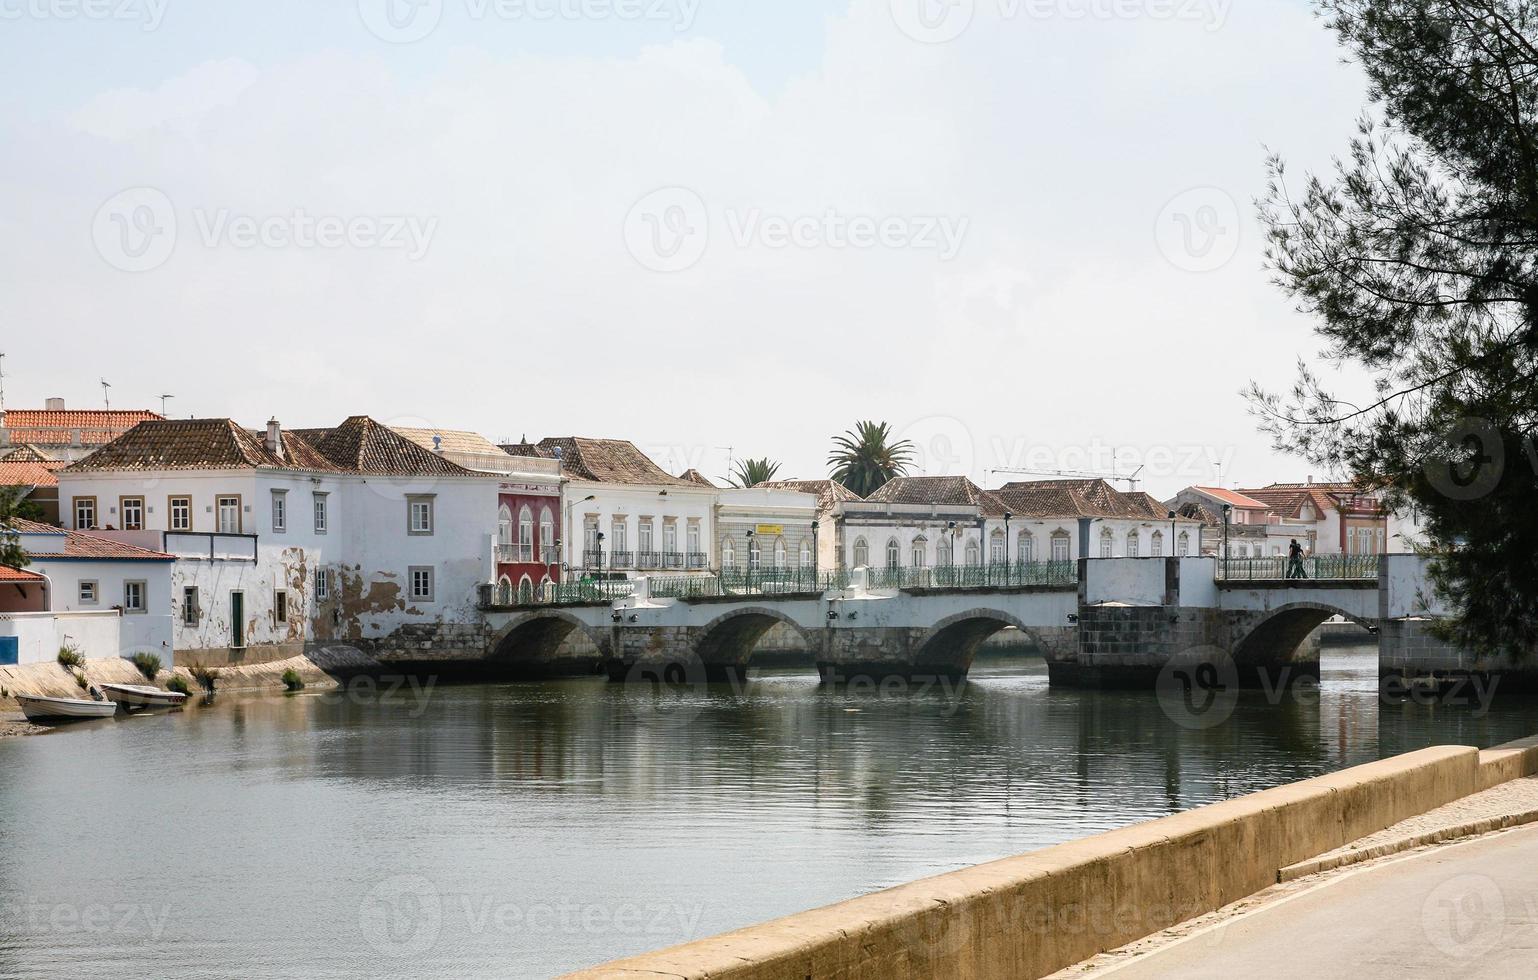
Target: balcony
{"x": 621, "y": 559}
{"x": 649, "y": 559}
{"x": 698, "y": 559}
{"x": 672, "y": 559}
{"x": 592, "y": 559}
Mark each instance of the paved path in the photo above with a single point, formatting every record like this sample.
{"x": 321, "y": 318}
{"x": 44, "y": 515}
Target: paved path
{"x": 1467, "y": 910}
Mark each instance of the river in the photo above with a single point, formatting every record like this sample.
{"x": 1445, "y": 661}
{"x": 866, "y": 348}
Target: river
{"x": 523, "y": 830}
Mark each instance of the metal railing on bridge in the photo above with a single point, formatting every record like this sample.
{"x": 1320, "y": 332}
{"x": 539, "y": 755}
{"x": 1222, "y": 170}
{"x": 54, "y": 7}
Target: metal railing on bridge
{"x": 1329, "y": 568}
{"x": 576, "y": 593}
{"x": 997, "y": 575}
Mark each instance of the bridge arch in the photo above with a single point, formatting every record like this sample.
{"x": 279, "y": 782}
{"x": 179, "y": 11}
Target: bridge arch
{"x": 728, "y": 640}
{"x": 1276, "y": 637}
{"x": 534, "y": 641}
{"x": 952, "y": 643}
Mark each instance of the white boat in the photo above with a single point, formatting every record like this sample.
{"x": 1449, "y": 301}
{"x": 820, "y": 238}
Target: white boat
{"x": 140, "y": 696}
{"x": 38, "y": 708}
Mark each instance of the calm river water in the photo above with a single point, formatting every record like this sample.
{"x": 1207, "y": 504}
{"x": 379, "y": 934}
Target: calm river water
{"x": 523, "y": 830}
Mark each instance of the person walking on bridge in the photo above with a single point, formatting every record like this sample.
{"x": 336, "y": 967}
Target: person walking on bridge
{"x": 1295, "y": 560}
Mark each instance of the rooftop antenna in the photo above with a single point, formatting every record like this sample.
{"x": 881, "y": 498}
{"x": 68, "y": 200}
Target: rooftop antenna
{"x": 729, "y": 462}
{"x": 106, "y": 396}
{"x": 163, "y": 400}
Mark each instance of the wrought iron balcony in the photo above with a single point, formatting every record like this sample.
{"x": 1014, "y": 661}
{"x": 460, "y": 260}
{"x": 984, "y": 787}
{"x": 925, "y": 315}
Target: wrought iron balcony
{"x": 672, "y": 559}
{"x": 698, "y": 559}
{"x": 621, "y": 559}
{"x": 648, "y": 559}
{"x": 592, "y": 559}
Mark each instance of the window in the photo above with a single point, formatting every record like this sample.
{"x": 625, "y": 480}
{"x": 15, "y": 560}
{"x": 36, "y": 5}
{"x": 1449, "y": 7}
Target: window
{"x": 279, "y": 511}
{"x": 894, "y": 554}
{"x": 945, "y": 552}
{"x": 131, "y": 510}
{"x": 781, "y": 554}
{"x": 525, "y": 534}
{"x": 728, "y": 554}
{"x": 694, "y": 538}
{"x": 133, "y": 597}
{"x": 237, "y": 620}
{"x": 974, "y": 552}
{"x": 547, "y": 537}
{"x": 191, "y": 609}
{"x": 1107, "y": 547}
{"x": 670, "y": 538}
{"x": 526, "y": 590}
{"x": 85, "y": 513}
{"x": 1183, "y": 544}
{"x": 619, "y": 539}
{"x": 228, "y": 510}
{"x": 504, "y": 591}
{"x": 806, "y": 555}
{"x": 1060, "y": 546}
{"x": 88, "y": 592}
{"x": 180, "y": 513}
{"x": 589, "y": 534}
{"x": 1027, "y": 547}
{"x": 322, "y": 584}
{"x": 419, "y": 514}
{"x": 322, "y": 514}
{"x": 1158, "y": 544}
{"x": 1132, "y": 544}
{"x": 755, "y": 553}
{"x": 996, "y": 549}
{"x": 861, "y": 553}
{"x": 918, "y": 553}
{"x": 280, "y": 607}
{"x": 421, "y": 577}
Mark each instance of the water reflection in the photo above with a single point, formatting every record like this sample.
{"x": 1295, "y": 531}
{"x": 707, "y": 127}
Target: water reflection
{"x": 523, "y": 830}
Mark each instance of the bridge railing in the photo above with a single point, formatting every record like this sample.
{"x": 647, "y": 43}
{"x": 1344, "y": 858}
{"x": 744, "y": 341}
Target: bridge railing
{"x": 574, "y": 593}
{"x": 1330, "y": 568}
{"x": 998, "y": 575}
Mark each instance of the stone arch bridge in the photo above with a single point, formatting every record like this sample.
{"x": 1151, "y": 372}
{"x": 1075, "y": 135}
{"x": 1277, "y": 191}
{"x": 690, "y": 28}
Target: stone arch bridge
{"x": 1118, "y": 625}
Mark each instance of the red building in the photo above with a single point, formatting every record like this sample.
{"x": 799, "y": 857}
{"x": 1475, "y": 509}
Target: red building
{"x": 528, "y": 536}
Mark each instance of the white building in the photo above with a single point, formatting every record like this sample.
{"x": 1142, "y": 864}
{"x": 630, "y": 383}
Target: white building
{"x": 283, "y": 539}
{"x": 1064, "y": 520}
{"x": 626, "y": 515}
{"x": 101, "y": 597}
{"x": 767, "y": 527}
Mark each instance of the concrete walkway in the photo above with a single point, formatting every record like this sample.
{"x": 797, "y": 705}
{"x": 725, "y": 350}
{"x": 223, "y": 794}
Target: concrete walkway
{"x": 1467, "y": 910}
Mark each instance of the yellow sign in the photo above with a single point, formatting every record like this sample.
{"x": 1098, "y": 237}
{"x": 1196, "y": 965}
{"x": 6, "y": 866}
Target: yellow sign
{"x": 769, "y": 530}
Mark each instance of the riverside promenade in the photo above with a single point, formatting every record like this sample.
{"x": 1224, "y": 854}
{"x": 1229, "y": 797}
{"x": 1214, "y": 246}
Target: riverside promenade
{"x": 1054, "y": 911}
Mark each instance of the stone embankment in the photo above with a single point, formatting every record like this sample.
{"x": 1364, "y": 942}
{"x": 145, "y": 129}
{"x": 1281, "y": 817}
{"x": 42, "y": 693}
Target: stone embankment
{"x": 320, "y": 669}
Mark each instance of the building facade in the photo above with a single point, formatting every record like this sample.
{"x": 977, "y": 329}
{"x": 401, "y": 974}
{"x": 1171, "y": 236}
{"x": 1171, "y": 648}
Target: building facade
{"x": 767, "y": 528}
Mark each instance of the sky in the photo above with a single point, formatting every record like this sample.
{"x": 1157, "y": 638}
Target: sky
{"x": 1021, "y": 231}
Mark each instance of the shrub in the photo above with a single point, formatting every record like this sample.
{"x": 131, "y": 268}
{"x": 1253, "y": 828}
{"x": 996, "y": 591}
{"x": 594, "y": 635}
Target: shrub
{"x": 292, "y": 680}
{"x": 148, "y": 664}
{"x": 80, "y": 680}
{"x": 207, "y": 677}
{"x": 178, "y": 683}
{"x": 69, "y": 656}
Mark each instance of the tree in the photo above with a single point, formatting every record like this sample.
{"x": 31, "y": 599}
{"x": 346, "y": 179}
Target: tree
{"x": 863, "y": 461}
{"x": 1419, "y": 258}
{"x": 11, "y": 552}
{"x": 752, "y": 472}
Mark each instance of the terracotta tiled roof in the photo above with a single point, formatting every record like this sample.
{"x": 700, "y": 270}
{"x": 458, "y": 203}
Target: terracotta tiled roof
{"x": 185, "y": 444}
{"x": 449, "y": 440}
{"x": 22, "y": 473}
{"x": 695, "y": 476}
{"x": 78, "y": 544}
{"x": 1198, "y": 512}
{"x": 57, "y": 428}
{"x": 953, "y": 490}
{"x": 9, "y": 574}
{"x": 26, "y": 454}
{"x": 608, "y": 461}
{"x": 361, "y": 445}
{"x": 1078, "y": 498}
{"x": 1232, "y": 497}
{"x": 828, "y": 492}
{"x": 525, "y": 449}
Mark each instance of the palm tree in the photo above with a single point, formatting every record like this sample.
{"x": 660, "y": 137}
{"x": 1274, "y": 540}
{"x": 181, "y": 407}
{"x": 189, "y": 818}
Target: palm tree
{"x": 863, "y": 461}
{"x": 752, "y": 472}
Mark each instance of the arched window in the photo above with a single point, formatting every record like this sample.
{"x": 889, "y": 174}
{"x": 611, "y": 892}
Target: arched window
{"x": 526, "y": 590}
{"x": 1158, "y": 544}
{"x": 1027, "y": 547}
{"x": 504, "y": 591}
{"x": 755, "y": 553}
{"x": 806, "y": 555}
{"x": 525, "y": 534}
{"x": 1183, "y": 544}
{"x": 728, "y": 554}
{"x": 1061, "y": 549}
{"x": 1132, "y": 544}
{"x": 547, "y": 537}
{"x": 997, "y": 553}
{"x": 861, "y": 553}
{"x": 547, "y": 589}
{"x": 918, "y": 552}
{"x": 504, "y": 526}
{"x": 974, "y": 552}
{"x": 894, "y": 554}
{"x": 1107, "y": 547}
{"x": 945, "y": 552}
{"x": 779, "y": 553}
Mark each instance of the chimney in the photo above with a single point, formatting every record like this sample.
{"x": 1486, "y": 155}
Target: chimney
{"x": 53, "y": 404}
{"x": 275, "y": 438}
{"x": 1311, "y": 479}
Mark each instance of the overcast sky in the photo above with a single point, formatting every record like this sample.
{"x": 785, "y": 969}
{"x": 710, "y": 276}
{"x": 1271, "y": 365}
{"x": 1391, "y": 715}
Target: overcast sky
{"x": 1022, "y": 231}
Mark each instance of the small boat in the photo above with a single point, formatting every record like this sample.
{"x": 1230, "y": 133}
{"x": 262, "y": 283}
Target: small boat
{"x": 38, "y": 708}
{"x": 140, "y": 696}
